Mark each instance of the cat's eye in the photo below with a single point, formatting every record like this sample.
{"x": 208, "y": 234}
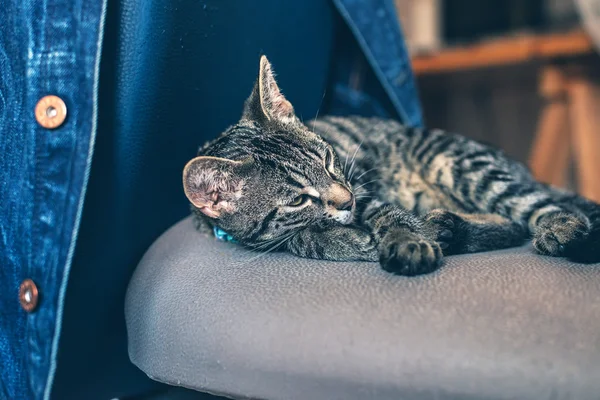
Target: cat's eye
{"x": 298, "y": 200}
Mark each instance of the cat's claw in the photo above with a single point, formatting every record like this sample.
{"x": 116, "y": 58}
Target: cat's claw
{"x": 405, "y": 253}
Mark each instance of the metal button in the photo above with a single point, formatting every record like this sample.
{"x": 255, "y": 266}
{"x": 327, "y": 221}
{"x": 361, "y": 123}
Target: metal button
{"x": 28, "y": 295}
{"x": 50, "y": 112}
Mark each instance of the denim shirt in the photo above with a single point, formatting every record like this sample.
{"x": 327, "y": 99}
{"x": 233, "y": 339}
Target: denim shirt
{"x": 46, "y": 48}
{"x": 53, "y": 48}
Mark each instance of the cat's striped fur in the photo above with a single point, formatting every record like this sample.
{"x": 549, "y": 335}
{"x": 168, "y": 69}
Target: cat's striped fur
{"x": 386, "y": 192}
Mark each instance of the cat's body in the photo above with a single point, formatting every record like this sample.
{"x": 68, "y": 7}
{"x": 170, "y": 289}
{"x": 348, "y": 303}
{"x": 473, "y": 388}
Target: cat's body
{"x": 419, "y": 169}
{"x": 386, "y": 192}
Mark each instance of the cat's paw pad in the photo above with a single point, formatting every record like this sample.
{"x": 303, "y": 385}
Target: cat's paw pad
{"x": 446, "y": 229}
{"x": 560, "y": 233}
{"x": 404, "y": 253}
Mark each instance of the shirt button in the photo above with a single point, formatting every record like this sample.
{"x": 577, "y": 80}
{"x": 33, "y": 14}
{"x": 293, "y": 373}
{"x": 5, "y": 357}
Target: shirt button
{"x": 50, "y": 112}
{"x": 28, "y": 295}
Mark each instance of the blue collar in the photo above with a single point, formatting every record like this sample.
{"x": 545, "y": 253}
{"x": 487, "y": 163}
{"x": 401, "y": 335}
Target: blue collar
{"x": 220, "y": 234}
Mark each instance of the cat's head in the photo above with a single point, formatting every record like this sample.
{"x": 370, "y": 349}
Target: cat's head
{"x": 268, "y": 176}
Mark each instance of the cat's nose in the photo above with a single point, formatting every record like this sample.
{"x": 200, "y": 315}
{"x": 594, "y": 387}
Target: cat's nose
{"x": 347, "y": 206}
{"x": 339, "y": 197}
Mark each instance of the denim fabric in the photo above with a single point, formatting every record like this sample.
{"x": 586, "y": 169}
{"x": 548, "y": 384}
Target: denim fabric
{"x": 376, "y": 28}
{"x": 158, "y": 102}
{"x": 45, "y": 48}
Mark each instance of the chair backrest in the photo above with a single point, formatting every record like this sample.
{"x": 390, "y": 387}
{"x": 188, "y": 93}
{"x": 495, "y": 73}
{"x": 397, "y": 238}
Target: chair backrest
{"x": 174, "y": 74}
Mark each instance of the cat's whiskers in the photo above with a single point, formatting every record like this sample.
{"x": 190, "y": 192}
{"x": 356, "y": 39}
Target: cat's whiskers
{"x": 363, "y": 198}
{"x": 364, "y": 194}
{"x": 366, "y": 172}
{"x": 280, "y": 242}
{"x": 268, "y": 243}
{"x": 320, "y": 104}
{"x": 350, "y": 170}
{"x": 318, "y": 109}
{"x": 366, "y": 183}
{"x": 346, "y": 163}
{"x": 353, "y": 162}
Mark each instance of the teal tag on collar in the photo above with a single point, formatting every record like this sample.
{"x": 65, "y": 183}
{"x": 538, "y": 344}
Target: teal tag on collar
{"x": 220, "y": 234}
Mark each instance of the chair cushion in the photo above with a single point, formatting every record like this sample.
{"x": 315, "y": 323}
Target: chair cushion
{"x": 509, "y": 324}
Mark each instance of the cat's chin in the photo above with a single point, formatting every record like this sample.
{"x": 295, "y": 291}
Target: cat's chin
{"x": 344, "y": 217}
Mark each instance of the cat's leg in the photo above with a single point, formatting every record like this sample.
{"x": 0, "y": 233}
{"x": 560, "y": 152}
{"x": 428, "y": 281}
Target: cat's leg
{"x": 336, "y": 242}
{"x": 484, "y": 180}
{"x": 459, "y": 233}
{"x": 405, "y": 244}
{"x": 561, "y": 224}
{"x": 569, "y": 227}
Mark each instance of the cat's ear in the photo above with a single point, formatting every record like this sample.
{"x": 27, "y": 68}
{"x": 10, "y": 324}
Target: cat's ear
{"x": 213, "y": 184}
{"x": 266, "y": 100}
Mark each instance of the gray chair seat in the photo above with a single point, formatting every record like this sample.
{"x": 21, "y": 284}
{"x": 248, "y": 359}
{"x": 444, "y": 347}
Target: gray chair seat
{"x": 510, "y": 324}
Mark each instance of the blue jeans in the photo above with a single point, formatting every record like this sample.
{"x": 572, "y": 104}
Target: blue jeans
{"x": 81, "y": 203}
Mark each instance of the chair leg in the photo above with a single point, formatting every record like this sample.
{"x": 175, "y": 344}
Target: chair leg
{"x": 584, "y": 95}
{"x": 549, "y": 160}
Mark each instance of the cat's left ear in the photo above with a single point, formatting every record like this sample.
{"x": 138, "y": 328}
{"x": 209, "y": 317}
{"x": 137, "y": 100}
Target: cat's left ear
{"x": 213, "y": 184}
{"x": 266, "y": 100}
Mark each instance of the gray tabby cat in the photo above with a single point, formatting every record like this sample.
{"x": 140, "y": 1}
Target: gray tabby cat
{"x": 371, "y": 189}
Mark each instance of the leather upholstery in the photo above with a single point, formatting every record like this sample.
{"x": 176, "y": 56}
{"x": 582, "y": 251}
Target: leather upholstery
{"x": 509, "y": 324}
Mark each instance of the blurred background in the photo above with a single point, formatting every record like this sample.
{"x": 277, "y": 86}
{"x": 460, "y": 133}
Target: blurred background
{"x": 522, "y": 75}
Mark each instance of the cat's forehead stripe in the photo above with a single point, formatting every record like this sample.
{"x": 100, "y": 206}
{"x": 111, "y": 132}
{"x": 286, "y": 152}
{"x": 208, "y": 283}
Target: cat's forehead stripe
{"x": 312, "y": 192}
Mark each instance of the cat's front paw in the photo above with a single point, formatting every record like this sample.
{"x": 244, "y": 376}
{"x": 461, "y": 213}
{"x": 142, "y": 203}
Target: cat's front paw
{"x": 562, "y": 234}
{"x": 404, "y": 253}
{"x": 446, "y": 229}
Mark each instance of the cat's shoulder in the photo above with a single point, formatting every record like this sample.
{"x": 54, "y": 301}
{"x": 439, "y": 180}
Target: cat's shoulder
{"x": 357, "y": 123}
{"x": 357, "y": 119}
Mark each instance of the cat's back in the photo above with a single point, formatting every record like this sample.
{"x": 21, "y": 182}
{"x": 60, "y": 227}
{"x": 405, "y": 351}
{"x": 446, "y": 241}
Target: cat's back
{"x": 388, "y": 140}
{"x": 415, "y": 167}
{"x": 353, "y": 130}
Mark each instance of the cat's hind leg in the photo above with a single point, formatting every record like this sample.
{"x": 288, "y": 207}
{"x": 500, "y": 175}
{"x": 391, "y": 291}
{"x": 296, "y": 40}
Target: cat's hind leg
{"x": 560, "y": 223}
{"x": 569, "y": 227}
{"x": 459, "y": 233}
